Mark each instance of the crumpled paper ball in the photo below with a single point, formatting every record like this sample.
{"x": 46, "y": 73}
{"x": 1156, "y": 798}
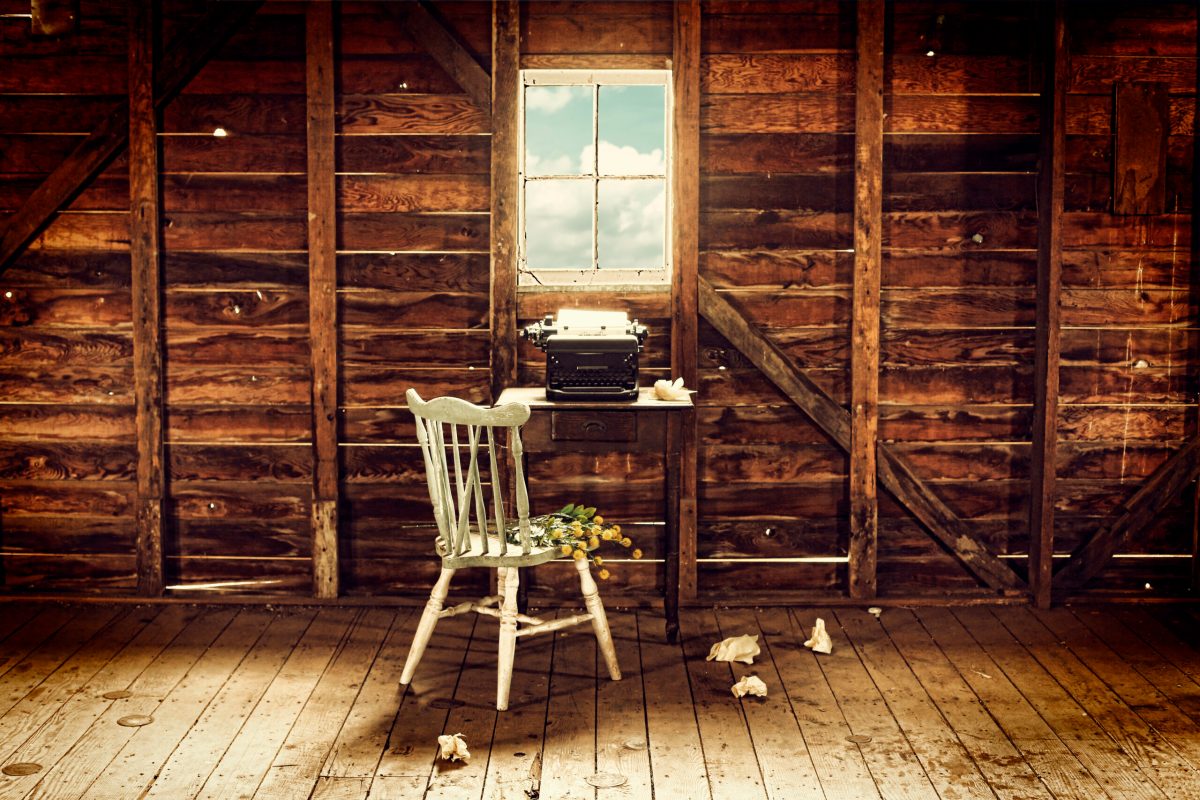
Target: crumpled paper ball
{"x": 750, "y": 684}
{"x": 667, "y": 390}
{"x": 820, "y": 641}
{"x": 736, "y": 648}
{"x": 453, "y": 747}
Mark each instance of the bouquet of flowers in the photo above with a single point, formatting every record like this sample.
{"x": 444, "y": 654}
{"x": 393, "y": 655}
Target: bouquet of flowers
{"x": 577, "y": 530}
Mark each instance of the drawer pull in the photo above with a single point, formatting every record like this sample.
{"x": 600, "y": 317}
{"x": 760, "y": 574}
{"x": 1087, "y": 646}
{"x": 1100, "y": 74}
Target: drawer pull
{"x": 591, "y": 426}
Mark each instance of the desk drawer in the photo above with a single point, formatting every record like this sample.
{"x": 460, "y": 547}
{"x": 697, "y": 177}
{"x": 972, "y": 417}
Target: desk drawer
{"x": 593, "y": 426}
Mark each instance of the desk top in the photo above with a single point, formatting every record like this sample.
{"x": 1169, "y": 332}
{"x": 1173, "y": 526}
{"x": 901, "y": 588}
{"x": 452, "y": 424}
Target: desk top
{"x": 535, "y": 397}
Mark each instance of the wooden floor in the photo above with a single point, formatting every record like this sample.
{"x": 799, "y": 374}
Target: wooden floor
{"x": 300, "y": 703}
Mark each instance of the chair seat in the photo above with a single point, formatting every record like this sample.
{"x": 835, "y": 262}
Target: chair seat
{"x": 476, "y": 557}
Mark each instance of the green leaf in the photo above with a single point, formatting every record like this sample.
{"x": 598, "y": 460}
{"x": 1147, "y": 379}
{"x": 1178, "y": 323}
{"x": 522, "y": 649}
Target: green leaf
{"x": 567, "y": 509}
{"x": 589, "y": 512}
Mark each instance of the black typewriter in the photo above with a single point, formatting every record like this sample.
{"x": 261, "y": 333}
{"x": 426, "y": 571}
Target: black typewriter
{"x": 590, "y": 355}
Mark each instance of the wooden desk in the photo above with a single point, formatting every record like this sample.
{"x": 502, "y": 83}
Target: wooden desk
{"x": 644, "y": 426}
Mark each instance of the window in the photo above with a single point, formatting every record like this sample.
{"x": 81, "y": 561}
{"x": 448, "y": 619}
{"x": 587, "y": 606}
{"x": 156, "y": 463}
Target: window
{"x": 595, "y": 157}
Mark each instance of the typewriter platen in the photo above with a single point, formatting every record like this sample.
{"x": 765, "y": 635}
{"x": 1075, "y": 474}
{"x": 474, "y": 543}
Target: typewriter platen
{"x": 590, "y": 355}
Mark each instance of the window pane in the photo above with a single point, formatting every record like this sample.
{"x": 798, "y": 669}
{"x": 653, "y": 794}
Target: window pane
{"x": 631, "y": 219}
{"x": 558, "y": 130}
{"x": 558, "y": 224}
{"x": 632, "y": 130}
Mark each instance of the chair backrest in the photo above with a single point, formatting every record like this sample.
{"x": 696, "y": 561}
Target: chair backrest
{"x": 452, "y": 432}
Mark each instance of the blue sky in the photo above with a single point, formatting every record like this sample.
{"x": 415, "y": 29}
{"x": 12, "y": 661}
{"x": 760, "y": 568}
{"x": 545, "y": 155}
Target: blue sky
{"x": 558, "y": 214}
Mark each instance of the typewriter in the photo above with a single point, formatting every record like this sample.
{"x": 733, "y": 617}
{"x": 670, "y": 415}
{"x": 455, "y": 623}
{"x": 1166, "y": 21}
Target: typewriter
{"x": 590, "y": 355}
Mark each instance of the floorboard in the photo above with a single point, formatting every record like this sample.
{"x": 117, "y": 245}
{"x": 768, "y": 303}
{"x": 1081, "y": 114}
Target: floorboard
{"x": 894, "y": 764}
{"x": 946, "y": 761}
{"x": 1007, "y": 703}
{"x": 1116, "y": 770}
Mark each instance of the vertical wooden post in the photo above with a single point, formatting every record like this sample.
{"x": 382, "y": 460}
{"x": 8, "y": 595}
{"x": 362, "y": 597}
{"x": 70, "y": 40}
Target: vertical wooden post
{"x": 146, "y": 296}
{"x": 1050, "y": 185}
{"x": 868, "y": 254}
{"x": 685, "y": 197}
{"x": 506, "y": 83}
{"x": 322, "y": 296}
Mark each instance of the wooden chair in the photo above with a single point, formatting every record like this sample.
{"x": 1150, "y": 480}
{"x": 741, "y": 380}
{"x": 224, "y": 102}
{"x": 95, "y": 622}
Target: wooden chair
{"x": 453, "y": 433}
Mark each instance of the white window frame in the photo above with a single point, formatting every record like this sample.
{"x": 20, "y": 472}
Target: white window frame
{"x": 596, "y": 275}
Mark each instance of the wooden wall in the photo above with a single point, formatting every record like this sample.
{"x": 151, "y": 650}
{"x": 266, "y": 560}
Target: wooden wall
{"x": 776, "y": 162}
{"x": 1129, "y": 294}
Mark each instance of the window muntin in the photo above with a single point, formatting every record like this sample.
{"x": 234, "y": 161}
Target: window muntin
{"x": 594, "y": 163}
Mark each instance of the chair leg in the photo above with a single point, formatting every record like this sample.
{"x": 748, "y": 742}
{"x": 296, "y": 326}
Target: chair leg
{"x": 429, "y": 621}
{"x": 508, "y": 579}
{"x": 595, "y": 606}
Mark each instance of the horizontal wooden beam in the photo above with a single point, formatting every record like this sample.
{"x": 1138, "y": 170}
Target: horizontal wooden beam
{"x": 180, "y": 62}
{"x": 1133, "y": 516}
{"x": 440, "y": 41}
{"x": 894, "y": 472}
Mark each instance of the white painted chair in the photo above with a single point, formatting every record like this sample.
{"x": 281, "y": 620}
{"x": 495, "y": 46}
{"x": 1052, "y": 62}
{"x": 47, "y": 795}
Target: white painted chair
{"x": 453, "y": 435}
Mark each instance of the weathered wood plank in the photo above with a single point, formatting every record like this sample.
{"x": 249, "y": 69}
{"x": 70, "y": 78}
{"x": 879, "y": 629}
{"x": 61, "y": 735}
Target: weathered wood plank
{"x": 505, "y": 222}
{"x": 1134, "y": 514}
{"x": 729, "y": 759}
{"x": 185, "y": 770}
{"x": 1047, "y": 338}
{"x": 894, "y": 473}
{"x": 891, "y": 758}
{"x": 939, "y": 747}
{"x": 146, "y": 291}
{"x": 322, "y": 296}
{"x": 865, "y": 314}
{"x": 298, "y": 763}
{"x": 245, "y": 762}
{"x": 134, "y": 769}
{"x": 426, "y": 25}
{"x": 100, "y": 743}
{"x": 996, "y": 756}
{"x": 1140, "y": 147}
{"x": 1062, "y": 764}
{"x": 1156, "y": 757}
{"x": 183, "y": 57}
{"x": 780, "y": 746}
{"x": 685, "y": 242}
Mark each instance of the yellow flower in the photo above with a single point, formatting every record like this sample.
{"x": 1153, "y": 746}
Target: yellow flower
{"x": 599, "y": 520}
{"x": 579, "y": 554}
{"x": 566, "y": 549}
{"x": 593, "y": 542}
{"x": 636, "y": 553}
{"x": 626, "y": 542}
{"x": 616, "y": 529}
{"x": 606, "y": 535}
{"x": 603, "y": 574}
{"x": 598, "y": 559}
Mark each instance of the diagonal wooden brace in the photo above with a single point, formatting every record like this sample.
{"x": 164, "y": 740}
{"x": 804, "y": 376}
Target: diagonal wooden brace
{"x": 1132, "y": 516}
{"x": 894, "y": 472}
{"x": 184, "y": 57}
{"x": 452, "y": 55}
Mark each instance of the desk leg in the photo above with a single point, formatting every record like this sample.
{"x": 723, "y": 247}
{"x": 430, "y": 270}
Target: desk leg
{"x": 671, "y": 589}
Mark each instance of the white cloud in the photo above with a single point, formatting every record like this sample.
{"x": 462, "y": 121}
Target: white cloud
{"x": 632, "y": 218}
{"x": 623, "y": 160}
{"x": 548, "y": 99}
{"x": 558, "y": 223}
{"x": 552, "y": 165}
